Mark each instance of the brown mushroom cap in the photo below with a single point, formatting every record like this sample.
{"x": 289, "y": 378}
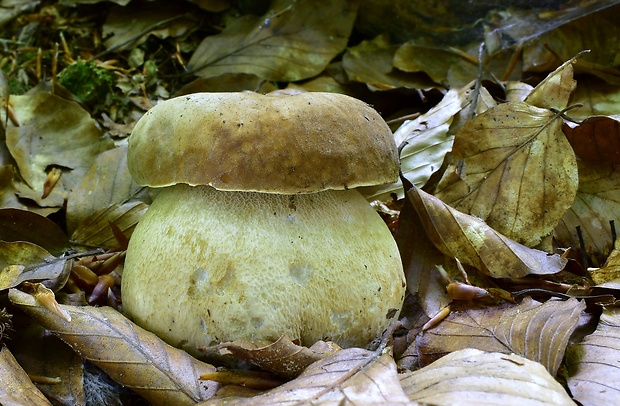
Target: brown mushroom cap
{"x": 247, "y": 141}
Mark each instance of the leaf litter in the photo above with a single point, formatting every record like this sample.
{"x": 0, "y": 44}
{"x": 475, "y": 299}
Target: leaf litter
{"x": 512, "y": 196}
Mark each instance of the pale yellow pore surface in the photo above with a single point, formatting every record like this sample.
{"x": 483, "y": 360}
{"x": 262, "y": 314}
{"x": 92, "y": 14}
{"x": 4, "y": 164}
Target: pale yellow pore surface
{"x": 206, "y": 266}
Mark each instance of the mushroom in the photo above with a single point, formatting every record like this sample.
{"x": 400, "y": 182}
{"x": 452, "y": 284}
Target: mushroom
{"x": 258, "y": 230}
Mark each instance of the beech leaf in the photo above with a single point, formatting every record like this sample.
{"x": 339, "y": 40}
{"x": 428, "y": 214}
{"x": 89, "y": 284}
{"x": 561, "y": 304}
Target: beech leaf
{"x": 556, "y": 89}
{"x": 474, "y": 377}
{"x": 351, "y": 376}
{"x": 17, "y": 389}
{"x": 282, "y": 357}
{"x": 515, "y": 170}
{"x": 295, "y": 40}
{"x": 597, "y": 203}
{"x": 23, "y": 225}
{"x": 596, "y": 139}
{"x": 131, "y": 356}
{"x": 475, "y": 243}
{"x": 536, "y": 331}
{"x": 594, "y": 364}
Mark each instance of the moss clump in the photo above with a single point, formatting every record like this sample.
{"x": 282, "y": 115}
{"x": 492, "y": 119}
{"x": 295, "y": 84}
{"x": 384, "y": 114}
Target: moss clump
{"x": 88, "y": 82}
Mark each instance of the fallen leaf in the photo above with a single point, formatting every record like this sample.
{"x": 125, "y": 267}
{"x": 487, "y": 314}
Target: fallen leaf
{"x": 23, "y": 261}
{"x": 351, "y": 376}
{"x": 537, "y": 331}
{"x": 17, "y": 389}
{"x": 515, "y": 170}
{"x": 23, "y": 225}
{"x": 282, "y": 357}
{"x": 106, "y": 182}
{"x": 555, "y": 90}
{"x": 52, "y": 131}
{"x": 428, "y": 138}
{"x": 473, "y": 377}
{"x": 595, "y": 205}
{"x": 598, "y": 98}
{"x": 96, "y": 229}
{"x": 294, "y": 40}
{"x": 370, "y": 62}
{"x": 475, "y": 243}
{"x": 594, "y": 364}
{"x": 131, "y": 356}
{"x": 596, "y": 139}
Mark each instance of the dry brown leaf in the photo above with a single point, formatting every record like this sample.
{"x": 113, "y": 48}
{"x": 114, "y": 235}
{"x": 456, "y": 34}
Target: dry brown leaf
{"x": 17, "y": 389}
{"x": 351, "y": 376}
{"x": 609, "y": 275}
{"x": 57, "y": 370}
{"x": 282, "y": 357}
{"x": 555, "y": 90}
{"x": 23, "y": 261}
{"x": 515, "y": 170}
{"x": 594, "y": 364}
{"x": 131, "y": 356}
{"x": 292, "y": 41}
{"x": 370, "y": 62}
{"x": 475, "y": 243}
{"x": 96, "y": 230}
{"x": 22, "y": 225}
{"x": 596, "y": 204}
{"x": 596, "y": 139}
{"x": 106, "y": 182}
{"x": 539, "y": 332}
{"x": 473, "y": 377}
{"x": 597, "y": 97}
{"x": 52, "y": 132}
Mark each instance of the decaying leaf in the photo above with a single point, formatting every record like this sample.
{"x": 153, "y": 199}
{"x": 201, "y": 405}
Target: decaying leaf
{"x": 106, "y": 182}
{"x": 609, "y": 274}
{"x": 475, "y": 243}
{"x": 596, "y": 139}
{"x": 283, "y": 357}
{"x": 52, "y": 132}
{"x": 17, "y": 388}
{"x": 594, "y": 364}
{"x": 23, "y": 225}
{"x": 370, "y": 62}
{"x": 428, "y": 138}
{"x": 555, "y": 90}
{"x": 474, "y": 377}
{"x": 515, "y": 170}
{"x": 24, "y": 261}
{"x": 537, "y": 331}
{"x": 96, "y": 230}
{"x": 295, "y": 40}
{"x": 130, "y": 355}
{"x": 596, "y": 204}
{"x": 353, "y": 375}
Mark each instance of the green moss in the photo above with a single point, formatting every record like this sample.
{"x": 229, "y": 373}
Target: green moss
{"x": 87, "y": 82}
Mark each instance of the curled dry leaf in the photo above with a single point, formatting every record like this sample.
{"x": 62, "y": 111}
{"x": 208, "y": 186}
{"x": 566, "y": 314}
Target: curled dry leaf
{"x": 537, "y": 331}
{"x": 596, "y": 204}
{"x": 132, "y": 356}
{"x": 17, "y": 389}
{"x": 283, "y": 357}
{"x": 475, "y": 243}
{"x": 293, "y": 41}
{"x": 474, "y": 377}
{"x": 515, "y": 170}
{"x": 555, "y": 90}
{"x": 352, "y": 376}
{"x": 594, "y": 364}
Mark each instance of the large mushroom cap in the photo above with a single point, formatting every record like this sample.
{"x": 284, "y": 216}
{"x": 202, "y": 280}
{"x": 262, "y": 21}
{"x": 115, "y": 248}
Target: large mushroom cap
{"x": 247, "y": 141}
